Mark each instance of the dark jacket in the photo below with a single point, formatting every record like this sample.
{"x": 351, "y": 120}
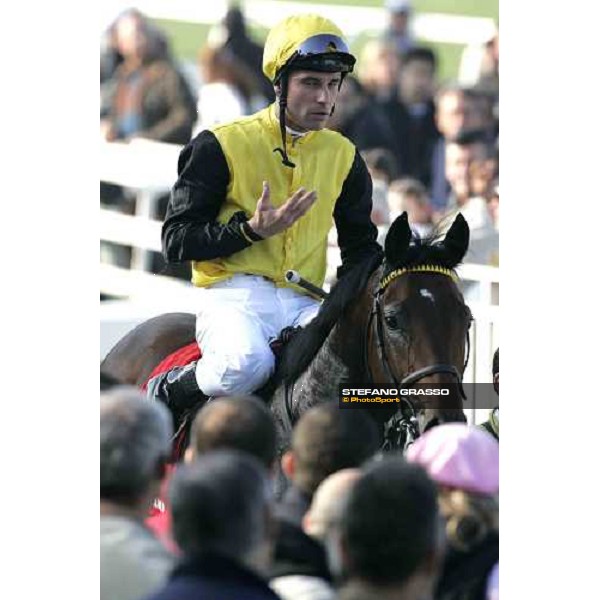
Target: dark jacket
{"x": 213, "y": 577}
{"x": 293, "y": 506}
{"x": 368, "y": 128}
{"x": 465, "y": 574}
{"x": 296, "y": 553}
{"x": 416, "y": 137}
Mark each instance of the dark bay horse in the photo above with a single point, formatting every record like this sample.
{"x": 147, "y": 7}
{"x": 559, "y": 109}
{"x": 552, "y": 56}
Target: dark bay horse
{"x": 402, "y": 321}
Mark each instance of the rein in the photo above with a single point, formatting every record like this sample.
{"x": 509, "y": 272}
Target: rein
{"x": 403, "y": 427}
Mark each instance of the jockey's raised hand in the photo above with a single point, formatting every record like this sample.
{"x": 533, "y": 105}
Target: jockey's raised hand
{"x": 268, "y": 220}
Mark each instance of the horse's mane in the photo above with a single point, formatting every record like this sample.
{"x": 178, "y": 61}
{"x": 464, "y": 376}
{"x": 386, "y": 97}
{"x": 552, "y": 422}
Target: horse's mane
{"x": 303, "y": 347}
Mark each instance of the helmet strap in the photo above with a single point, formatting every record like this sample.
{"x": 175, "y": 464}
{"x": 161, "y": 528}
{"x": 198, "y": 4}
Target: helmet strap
{"x": 283, "y": 82}
{"x": 342, "y": 76}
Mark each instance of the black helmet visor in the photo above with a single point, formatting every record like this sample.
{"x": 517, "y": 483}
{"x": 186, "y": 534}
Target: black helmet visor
{"x": 323, "y": 52}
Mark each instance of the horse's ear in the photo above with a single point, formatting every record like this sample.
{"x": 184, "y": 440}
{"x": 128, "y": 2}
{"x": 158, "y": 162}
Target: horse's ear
{"x": 456, "y": 241}
{"x": 397, "y": 240}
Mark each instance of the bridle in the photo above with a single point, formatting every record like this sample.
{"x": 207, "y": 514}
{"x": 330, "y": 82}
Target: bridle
{"x": 403, "y": 428}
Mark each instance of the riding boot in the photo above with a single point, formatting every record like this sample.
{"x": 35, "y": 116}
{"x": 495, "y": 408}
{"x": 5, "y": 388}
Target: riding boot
{"x": 177, "y": 389}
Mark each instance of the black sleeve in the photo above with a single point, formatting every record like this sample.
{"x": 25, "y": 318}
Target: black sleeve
{"x": 191, "y": 230}
{"x": 357, "y": 234}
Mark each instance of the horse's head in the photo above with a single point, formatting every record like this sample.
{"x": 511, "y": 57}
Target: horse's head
{"x": 419, "y": 323}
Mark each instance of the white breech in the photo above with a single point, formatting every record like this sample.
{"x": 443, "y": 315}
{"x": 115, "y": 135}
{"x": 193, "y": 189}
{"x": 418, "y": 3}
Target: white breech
{"x": 238, "y": 320}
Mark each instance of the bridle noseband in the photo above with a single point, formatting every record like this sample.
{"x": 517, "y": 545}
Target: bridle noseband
{"x": 403, "y": 427}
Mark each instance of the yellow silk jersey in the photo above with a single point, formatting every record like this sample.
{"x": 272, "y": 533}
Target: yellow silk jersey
{"x": 220, "y": 181}
{"x": 323, "y": 160}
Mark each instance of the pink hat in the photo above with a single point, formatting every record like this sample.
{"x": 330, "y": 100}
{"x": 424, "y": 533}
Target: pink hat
{"x": 459, "y": 456}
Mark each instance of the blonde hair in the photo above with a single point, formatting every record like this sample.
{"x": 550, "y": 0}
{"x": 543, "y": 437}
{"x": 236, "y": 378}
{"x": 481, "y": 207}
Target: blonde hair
{"x": 469, "y": 517}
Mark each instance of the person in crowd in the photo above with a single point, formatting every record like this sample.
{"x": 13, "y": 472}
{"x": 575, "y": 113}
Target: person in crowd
{"x": 488, "y": 81}
{"x": 242, "y": 423}
{"x": 146, "y": 97}
{"x": 223, "y": 95}
{"x": 492, "y": 425}
{"x": 467, "y": 148}
{"x": 490, "y": 67}
{"x": 247, "y": 51}
{"x": 480, "y": 65}
{"x": 389, "y": 541}
{"x": 471, "y": 163}
{"x": 398, "y": 29}
{"x": 222, "y": 522}
{"x": 325, "y": 440}
{"x": 411, "y": 115}
{"x": 110, "y": 58}
{"x": 379, "y": 70}
{"x": 134, "y": 446}
{"x": 150, "y": 98}
{"x": 326, "y": 506}
{"x": 245, "y": 424}
{"x": 456, "y": 109}
{"x": 382, "y": 167}
{"x": 323, "y": 513}
{"x": 408, "y": 194}
{"x": 362, "y": 120}
{"x": 253, "y": 199}
{"x": 464, "y": 463}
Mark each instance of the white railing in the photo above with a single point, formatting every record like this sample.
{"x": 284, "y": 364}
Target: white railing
{"x": 149, "y": 169}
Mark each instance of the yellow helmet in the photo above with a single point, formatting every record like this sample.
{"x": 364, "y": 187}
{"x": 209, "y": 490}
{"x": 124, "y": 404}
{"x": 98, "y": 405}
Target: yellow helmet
{"x": 306, "y": 42}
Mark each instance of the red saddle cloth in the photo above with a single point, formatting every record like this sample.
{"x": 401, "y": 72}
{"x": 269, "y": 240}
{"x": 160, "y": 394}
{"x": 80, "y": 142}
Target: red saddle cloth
{"x": 179, "y": 358}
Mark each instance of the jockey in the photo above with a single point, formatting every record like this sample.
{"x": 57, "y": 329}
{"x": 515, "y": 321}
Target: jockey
{"x": 256, "y": 197}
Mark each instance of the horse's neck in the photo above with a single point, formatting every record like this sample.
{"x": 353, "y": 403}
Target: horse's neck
{"x": 332, "y": 365}
{"x": 341, "y": 357}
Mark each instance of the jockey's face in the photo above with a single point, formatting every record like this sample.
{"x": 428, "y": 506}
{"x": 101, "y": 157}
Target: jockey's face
{"x": 311, "y": 97}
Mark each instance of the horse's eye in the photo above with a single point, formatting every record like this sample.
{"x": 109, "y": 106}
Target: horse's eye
{"x": 392, "y": 321}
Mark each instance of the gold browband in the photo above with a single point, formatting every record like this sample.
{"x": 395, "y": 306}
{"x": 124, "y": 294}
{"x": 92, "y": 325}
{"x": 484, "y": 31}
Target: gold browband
{"x": 422, "y": 269}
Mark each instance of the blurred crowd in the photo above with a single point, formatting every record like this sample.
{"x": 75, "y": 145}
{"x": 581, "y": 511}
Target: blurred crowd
{"x": 352, "y": 524}
{"x": 431, "y": 145}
